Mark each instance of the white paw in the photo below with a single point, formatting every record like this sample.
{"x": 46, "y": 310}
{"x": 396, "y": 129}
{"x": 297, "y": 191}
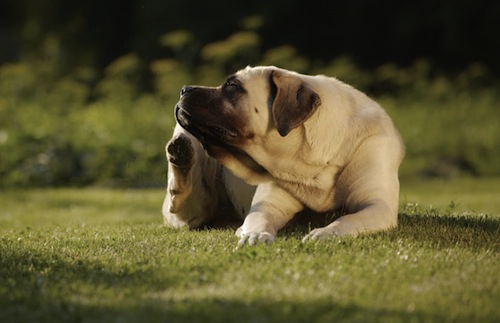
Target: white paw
{"x": 320, "y": 234}
{"x": 252, "y": 238}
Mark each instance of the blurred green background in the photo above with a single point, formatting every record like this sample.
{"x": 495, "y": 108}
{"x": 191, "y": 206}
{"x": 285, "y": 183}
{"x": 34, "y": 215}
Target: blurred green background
{"x": 87, "y": 88}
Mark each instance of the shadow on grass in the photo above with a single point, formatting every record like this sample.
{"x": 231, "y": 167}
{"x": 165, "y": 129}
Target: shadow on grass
{"x": 41, "y": 288}
{"x": 46, "y": 287}
{"x": 264, "y": 311}
{"x": 451, "y": 230}
{"x": 43, "y": 309}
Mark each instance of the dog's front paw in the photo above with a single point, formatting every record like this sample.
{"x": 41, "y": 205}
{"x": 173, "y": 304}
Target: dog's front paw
{"x": 252, "y": 238}
{"x": 321, "y": 234}
{"x": 180, "y": 152}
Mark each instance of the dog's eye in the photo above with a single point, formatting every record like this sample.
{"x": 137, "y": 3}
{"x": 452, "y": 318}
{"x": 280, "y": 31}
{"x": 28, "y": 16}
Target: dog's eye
{"x": 231, "y": 85}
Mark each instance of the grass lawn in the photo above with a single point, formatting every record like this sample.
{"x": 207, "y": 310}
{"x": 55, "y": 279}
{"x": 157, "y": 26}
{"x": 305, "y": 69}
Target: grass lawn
{"x": 100, "y": 255}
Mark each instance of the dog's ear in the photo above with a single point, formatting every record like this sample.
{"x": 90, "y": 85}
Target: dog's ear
{"x": 294, "y": 102}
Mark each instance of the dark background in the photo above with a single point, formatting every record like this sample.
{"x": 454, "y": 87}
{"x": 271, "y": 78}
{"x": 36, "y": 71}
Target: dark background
{"x": 449, "y": 33}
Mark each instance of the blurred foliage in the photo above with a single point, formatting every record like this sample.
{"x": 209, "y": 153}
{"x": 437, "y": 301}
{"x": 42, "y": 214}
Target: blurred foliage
{"x": 87, "y": 91}
{"x": 80, "y": 129}
{"x": 232, "y": 53}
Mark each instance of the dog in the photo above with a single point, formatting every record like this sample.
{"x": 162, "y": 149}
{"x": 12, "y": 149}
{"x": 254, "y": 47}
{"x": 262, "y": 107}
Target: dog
{"x": 269, "y": 143}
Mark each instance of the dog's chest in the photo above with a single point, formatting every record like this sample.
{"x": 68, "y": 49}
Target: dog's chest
{"x": 316, "y": 191}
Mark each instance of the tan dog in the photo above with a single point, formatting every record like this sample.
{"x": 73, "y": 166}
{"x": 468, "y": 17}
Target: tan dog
{"x": 303, "y": 141}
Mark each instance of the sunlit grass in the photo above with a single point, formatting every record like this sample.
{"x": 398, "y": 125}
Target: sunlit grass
{"x": 457, "y": 195}
{"x": 78, "y": 207}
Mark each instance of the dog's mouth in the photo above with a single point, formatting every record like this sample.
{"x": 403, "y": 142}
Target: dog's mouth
{"x": 209, "y": 134}
{"x": 204, "y": 130}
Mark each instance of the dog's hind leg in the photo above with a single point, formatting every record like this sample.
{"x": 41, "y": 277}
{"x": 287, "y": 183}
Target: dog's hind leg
{"x": 180, "y": 155}
{"x": 190, "y": 200}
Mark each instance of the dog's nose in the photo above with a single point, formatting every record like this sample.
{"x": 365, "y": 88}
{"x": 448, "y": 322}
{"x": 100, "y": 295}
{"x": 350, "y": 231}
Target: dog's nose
{"x": 185, "y": 89}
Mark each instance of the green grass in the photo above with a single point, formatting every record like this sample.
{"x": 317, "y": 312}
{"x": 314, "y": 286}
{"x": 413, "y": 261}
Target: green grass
{"x": 102, "y": 255}
{"x": 459, "y": 195}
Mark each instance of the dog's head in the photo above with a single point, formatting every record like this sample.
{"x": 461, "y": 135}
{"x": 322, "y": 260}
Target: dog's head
{"x": 250, "y": 118}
